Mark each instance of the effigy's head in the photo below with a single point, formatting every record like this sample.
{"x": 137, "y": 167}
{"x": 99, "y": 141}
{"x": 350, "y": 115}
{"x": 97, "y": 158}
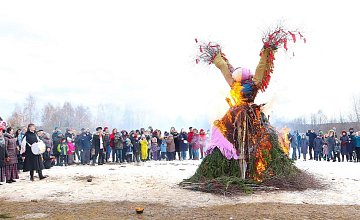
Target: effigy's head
{"x": 242, "y": 74}
{"x": 243, "y": 88}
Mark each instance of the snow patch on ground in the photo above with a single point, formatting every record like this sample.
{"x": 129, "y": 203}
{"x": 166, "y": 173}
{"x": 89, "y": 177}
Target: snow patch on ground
{"x": 157, "y": 182}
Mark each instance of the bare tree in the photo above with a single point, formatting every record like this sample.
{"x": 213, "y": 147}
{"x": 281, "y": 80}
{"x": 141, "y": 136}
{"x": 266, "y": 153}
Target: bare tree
{"x": 313, "y": 120}
{"x": 30, "y": 112}
{"x": 82, "y": 117}
{"x": 322, "y": 119}
{"x": 341, "y": 118}
{"x": 17, "y": 118}
{"x": 68, "y": 115}
{"x": 356, "y": 108}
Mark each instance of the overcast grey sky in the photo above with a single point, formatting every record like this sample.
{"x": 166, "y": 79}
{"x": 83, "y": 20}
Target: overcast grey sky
{"x": 141, "y": 53}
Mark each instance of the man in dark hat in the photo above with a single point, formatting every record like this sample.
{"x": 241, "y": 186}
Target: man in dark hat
{"x": 98, "y": 145}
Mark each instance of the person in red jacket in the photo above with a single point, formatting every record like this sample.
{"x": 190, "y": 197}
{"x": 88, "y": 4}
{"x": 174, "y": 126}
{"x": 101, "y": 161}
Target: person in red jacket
{"x": 112, "y": 144}
{"x": 189, "y": 139}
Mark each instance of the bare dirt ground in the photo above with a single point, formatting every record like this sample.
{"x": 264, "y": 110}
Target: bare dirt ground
{"x": 115, "y": 191}
{"x": 126, "y": 210}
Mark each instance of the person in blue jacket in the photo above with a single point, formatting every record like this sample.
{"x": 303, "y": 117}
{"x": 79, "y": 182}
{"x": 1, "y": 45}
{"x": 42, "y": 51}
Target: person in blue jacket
{"x": 84, "y": 142}
{"x": 357, "y": 146}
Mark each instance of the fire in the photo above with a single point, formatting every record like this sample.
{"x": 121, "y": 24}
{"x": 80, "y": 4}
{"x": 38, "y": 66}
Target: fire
{"x": 236, "y": 95}
{"x": 261, "y": 160}
{"x": 284, "y": 139}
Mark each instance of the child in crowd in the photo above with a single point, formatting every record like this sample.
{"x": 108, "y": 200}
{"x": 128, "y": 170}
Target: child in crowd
{"x": 325, "y": 151}
{"x": 163, "y": 148}
{"x": 183, "y": 144}
{"x": 154, "y": 148}
{"x": 144, "y": 148}
{"x": 195, "y": 141}
{"x": 63, "y": 149}
{"x": 337, "y": 150}
{"x": 202, "y": 143}
{"x": 71, "y": 151}
{"x": 129, "y": 150}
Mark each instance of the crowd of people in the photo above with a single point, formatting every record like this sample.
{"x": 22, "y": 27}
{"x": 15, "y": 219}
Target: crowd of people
{"x": 115, "y": 146}
{"x": 87, "y": 148}
{"x": 328, "y": 146}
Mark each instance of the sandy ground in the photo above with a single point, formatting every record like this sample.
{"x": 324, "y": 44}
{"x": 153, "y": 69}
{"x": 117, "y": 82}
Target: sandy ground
{"x": 155, "y": 186}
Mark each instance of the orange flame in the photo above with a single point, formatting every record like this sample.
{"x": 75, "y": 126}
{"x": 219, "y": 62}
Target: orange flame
{"x": 284, "y": 139}
{"x": 260, "y": 162}
{"x": 236, "y": 95}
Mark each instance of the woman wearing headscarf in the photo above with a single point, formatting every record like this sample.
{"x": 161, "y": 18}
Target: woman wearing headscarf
{"x": 3, "y": 155}
{"x": 32, "y": 162}
{"x": 11, "y": 171}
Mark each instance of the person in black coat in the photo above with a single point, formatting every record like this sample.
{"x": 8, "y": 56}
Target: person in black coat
{"x": 312, "y": 135}
{"x": 351, "y": 144}
{"x": 99, "y": 146}
{"x": 48, "y": 158}
{"x": 3, "y": 155}
{"x": 32, "y": 162}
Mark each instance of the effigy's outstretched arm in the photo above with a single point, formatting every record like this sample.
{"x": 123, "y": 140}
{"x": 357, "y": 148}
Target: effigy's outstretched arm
{"x": 272, "y": 40}
{"x": 211, "y": 53}
{"x": 223, "y": 65}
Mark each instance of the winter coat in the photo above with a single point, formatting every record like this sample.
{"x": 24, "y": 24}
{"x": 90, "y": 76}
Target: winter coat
{"x": 144, "y": 145}
{"x": 154, "y": 147}
{"x": 163, "y": 146}
{"x": 293, "y": 141}
{"x": 318, "y": 144}
{"x": 176, "y": 141}
{"x": 112, "y": 138}
{"x": 203, "y": 139}
{"x": 11, "y": 147}
{"x": 3, "y": 151}
{"x": 312, "y": 136}
{"x": 304, "y": 144}
{"x": 63, "y": 149}
{"x": 325, "y": 149}
{"x": 183, "y": 142}
{"x": 357, "y": 141}
{"x": 85, "y": 141}
{"x": 170, "y": 147}
{"x": 195, "y": 141}
{"x": 118, "y": 141}
{"x": 337, "y": 148}
{"x": 71, "y": 148}
{"x": 19, "y": 138}
{"x": 351, "y": 144}
{"x": 56, "y": 138}
{"x": 98, "y": 143}
{"x": 129, "y": 147}
{"x": 47, "y": 160}
{"x": 32, "y": 161}
{"x": 344, "y": 140}
{"x": 106, "y": 139}
{"x": 190, "y": 136}
{"x": 136, "y": 144}
{"x": 331, "y": 143}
